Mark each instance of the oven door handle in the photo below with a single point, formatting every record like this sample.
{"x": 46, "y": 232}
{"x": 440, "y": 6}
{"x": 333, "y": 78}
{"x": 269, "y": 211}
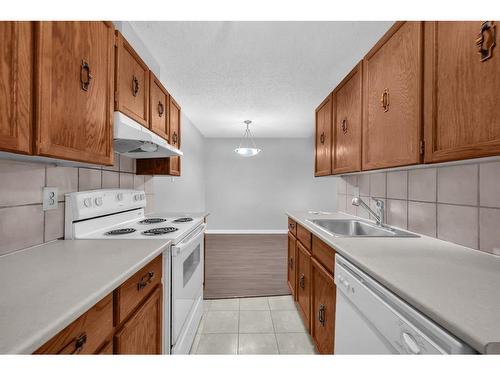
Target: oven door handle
{"x": 188, "y": 241}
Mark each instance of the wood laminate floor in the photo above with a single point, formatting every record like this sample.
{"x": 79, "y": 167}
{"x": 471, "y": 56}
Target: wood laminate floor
{"x": 245, "y": 265}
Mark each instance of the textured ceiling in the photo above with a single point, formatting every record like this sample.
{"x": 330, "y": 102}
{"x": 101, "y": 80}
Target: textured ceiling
{"x": 273, "y": 73}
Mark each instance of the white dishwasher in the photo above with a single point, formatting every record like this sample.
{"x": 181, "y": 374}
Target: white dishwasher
{"x": 372, "y": 320}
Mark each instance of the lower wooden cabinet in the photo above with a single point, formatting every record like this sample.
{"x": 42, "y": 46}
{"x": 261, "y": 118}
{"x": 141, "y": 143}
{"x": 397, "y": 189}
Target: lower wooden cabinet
{"x": 292, "y": 260}
{"x": 314, "y": 289}
{"x": 142, "y": 333}
{"x": 303, "y": 290}
{"x": 137, "y": 330}
{"x": 323, "y": 298}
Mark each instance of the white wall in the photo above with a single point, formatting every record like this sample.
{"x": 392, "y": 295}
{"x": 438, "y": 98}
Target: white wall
{"x": 187, "y": 192}
{"x": 253, "y": 193}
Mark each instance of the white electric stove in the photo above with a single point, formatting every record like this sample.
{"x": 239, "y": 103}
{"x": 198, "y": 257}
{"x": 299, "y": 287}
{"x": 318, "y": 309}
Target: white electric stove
{"x": 119, "y": 214}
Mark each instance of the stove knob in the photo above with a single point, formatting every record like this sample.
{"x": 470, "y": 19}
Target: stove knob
{"x": 137, "y": 197}
{"x": 87, "y": 202}
{"x": 119, "y": 197}
{"x": 98, "y": 201}
{"x": 143, "y": 196}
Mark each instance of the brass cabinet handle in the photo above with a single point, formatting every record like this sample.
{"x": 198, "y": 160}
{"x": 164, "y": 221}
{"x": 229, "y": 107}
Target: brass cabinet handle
{"x": 302, "y": 281}
{"x": 384, "y": 100}
{"x": 343, "y": 126}
{"x": 145, "y": 280}
{"x": 78, "y": 343}
{"x": 322, "y": 138}
{"x": 174, "y": 138}
{"x": 85, "y": 76}
{"x": 486, "y": 40}
{"x": 161, "y": 109}
{"x": 291, "y": 225}
{"x": 290, "y": 263}
{"x": 321, "y": 314}
{"x": 135, "y": 85}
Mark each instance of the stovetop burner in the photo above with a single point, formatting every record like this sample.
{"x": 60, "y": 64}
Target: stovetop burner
{"x": 116, "y": 232}
{"x": 152, "y": 220}
{"x": 159, "y": 231}
{"x": 183, "y": 220}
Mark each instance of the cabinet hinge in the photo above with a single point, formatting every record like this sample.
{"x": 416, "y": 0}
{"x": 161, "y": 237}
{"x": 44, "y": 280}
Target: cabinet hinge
{"x": 422, "y": 147}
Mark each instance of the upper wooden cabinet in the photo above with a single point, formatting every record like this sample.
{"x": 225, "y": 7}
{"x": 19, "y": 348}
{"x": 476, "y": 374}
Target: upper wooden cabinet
{"x": 132, "y": 82}
{"x": 323, "y": 147}
{"x": 462, "y": 81}
{"x": 346, "y": 151}
{"x": 159, "y": 107}
{"x": 175, "y": 137}
{"x": 74, "y": 91}
{"x": 392, "y": 98}
{"x": 16, "y": 62}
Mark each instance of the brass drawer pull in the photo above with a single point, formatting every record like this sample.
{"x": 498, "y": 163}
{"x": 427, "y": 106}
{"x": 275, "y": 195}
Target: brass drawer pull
{"x": 292, "y": 226}
{"x": 79, "y": 343}
{"x": 486, "y": 40}
{"x": 145, "y": 280}
{"x": 135, "y": 86}
{"x": 384, "y": 100}
{"x": 321, "y": 314}
{"x": 322, "y": 138}
{"x": 343, "y": 126}
{"x": 290, "y": 263}
{"x": 174, "y": 138}
{"x": 85, "y": 76}
{"x": 302, "y": 281}
{"x": 161, "y": 109}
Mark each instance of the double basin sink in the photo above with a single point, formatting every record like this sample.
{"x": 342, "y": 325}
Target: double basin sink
{"x": 358, "y": 228}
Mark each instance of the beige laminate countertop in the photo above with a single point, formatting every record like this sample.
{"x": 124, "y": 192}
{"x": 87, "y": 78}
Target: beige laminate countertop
{"x": 46, "y": 287}
{"x": 455, "y": 286}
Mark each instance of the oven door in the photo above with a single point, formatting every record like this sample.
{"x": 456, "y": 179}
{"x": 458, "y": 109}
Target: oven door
{"x": 187, "y": 278}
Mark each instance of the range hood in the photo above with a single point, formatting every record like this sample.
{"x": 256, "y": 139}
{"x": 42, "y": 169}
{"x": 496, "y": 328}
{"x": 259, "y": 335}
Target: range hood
{"x": 135, "y": 141}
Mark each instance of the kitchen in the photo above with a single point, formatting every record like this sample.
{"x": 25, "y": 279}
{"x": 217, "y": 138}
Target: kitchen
{"x": 168, "y": 189}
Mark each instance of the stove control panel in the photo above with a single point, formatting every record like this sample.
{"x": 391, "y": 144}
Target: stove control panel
{"x": 93, "y": 203}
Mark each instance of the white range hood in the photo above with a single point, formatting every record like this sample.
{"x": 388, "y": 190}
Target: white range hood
{"x": 135, "y": 141}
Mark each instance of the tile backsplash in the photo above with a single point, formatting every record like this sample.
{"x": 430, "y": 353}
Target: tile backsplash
{"x": 456, "y": 203}
{"x": 23, "y": 223}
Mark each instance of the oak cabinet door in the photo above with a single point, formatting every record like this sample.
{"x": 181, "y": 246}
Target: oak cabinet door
{"x": 392, "y": 98}
{"x": 74, "y": 89}
{"x": 461, "y": 107}
{"x": 159, "y": 104}
{"x": 16, "y": 64}
{"x": 323, "y": 143}
{"x": 142, "y": 333}
{"x": 292, "y": 263}
{"x": 323, "y": 308}
{"x": 132, "y": 82}
{"x": 303, "y": 289}
{"x": 175, "y": 137}
{"x": 346, "y": 153}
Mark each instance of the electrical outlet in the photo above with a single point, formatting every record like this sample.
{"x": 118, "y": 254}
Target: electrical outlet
{"x": 355, "y": 191}
{"x": 49, "y": 198}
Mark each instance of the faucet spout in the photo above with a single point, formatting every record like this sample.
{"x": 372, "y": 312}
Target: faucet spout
{"x": 379, "y": 217}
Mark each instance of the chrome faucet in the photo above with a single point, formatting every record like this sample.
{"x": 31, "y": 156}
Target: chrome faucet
{"x": 379, "y": 216}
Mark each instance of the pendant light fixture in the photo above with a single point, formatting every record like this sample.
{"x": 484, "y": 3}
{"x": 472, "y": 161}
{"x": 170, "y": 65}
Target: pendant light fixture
{"x": 247, "y": 147}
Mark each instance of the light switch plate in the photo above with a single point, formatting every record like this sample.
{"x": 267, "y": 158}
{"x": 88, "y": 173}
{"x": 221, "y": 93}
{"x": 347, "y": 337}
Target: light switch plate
{"x": 49, "y": 198}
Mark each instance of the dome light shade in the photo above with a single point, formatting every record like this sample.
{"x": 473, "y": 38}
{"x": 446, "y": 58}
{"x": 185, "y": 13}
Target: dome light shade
{"x": 247, "y": 147}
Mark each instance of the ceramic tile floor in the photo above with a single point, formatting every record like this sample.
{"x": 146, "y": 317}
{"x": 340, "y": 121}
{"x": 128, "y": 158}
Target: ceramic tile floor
{"x": 263, "y": 325}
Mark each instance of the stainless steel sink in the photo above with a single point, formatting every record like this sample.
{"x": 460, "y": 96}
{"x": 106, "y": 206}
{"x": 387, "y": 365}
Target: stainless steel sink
{"x": 358, "y": 228}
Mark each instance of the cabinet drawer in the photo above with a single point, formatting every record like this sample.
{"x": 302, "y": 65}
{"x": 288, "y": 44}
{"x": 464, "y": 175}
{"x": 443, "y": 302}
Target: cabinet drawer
{"x": 86, "y": 334}
{"x": 130, "y": 294}
{"x": 304, "y": 236}
{"x": 323, "y": 253}
{"x": 292, "y": 226}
